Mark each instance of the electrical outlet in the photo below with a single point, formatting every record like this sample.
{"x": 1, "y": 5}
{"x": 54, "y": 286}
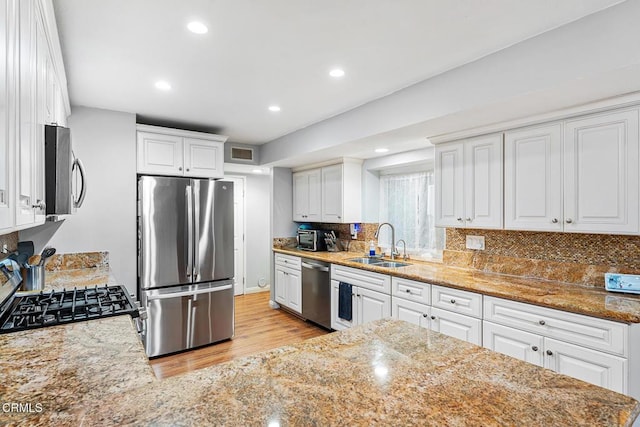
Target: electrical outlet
{"x": 475, "y": 242}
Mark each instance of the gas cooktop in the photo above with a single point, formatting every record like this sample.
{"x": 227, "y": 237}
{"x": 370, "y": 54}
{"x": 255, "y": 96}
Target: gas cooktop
{"x": 66, "y": 306}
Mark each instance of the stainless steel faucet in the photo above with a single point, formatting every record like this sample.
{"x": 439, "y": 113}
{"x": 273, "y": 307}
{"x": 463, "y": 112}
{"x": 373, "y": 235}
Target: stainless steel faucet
{"x": 404, "y": 249}
{"x": 393, "y": 238}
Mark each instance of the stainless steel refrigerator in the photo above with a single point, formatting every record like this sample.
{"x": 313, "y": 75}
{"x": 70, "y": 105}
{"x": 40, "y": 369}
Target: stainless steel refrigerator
{"x": 185, "y": 262}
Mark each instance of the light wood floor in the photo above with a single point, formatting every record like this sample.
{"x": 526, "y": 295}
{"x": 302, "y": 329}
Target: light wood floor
{"x": 257, "y": 327}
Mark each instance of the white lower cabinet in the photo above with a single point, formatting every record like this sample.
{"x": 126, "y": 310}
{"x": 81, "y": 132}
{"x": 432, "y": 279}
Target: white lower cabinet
{"x": 590, "y": 349}
{"x": 456, "y": 325}
{"x": 410, "y": 311}
{"x": 288, "y": 282}
{"x": 370, "y": 296}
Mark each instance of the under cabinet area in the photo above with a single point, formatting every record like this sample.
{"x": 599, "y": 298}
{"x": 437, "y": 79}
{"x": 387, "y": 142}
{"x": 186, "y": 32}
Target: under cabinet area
{"x": 371, "y": 298}
{"x": 163, "y": 151}
{"x": 328, "y": 194}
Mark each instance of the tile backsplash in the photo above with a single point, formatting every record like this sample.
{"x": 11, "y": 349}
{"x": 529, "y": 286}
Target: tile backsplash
{"x": 565, "y": 257}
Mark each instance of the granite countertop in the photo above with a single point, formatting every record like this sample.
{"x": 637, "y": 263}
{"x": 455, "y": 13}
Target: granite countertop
{"x": 590, "y": 301}
{"x": 78, "y": 278}
{"x": 387, "y": 372}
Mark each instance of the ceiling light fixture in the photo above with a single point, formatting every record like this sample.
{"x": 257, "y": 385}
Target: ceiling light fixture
{"x": 336, "y": 73}
{"x": 258, "y": 171}
{"x": 381, "y": 150}
{"x": 162, "y": 85}
{"x": 197, "y": 27}
{"x": 274, "y": 108}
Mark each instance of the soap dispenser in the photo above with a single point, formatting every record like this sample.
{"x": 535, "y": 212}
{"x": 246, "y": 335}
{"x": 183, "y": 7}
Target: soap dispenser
{"x": 372, "y": 249}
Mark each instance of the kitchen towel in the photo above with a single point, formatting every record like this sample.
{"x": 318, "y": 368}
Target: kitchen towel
{"x": 345, "y": 307}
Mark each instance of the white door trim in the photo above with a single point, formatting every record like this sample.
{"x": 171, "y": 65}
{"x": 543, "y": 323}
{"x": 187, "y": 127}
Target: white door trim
{"x": 239, "y": 184}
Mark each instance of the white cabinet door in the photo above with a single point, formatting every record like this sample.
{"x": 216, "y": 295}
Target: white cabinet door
{"x": 294, "y": 290}
{"x": 307, "y": 196}
{"x": 332, "y": 194}
{"x": 449, "y": 178}
{"x": 533, "y": 178}
{"x": 410, "y": 311}
{"x": 601, "y": 173}
{"x": 456, "y": 325}
{"x": 483, "y": 182}
{"x": 160, "y": 154}
{"x": 338, "y": 323}
{"x": 7, "y": 132}
{"x": 513, "y": 342}
{"x": 372, "y": 305}
{"x": 280, "y": 291}
{"x": 202, "y": 158}
{"x": 592, "y": 366}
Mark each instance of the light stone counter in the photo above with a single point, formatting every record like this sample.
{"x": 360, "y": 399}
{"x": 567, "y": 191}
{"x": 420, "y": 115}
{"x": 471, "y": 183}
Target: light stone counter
{"x": 573, "y": 298}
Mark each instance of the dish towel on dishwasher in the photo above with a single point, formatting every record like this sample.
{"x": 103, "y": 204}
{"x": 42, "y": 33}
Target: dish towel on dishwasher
{"x": 345, "y": 308}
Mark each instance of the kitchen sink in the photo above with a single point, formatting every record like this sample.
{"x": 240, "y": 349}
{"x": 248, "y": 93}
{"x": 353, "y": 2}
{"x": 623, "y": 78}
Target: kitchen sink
{"x": 365, "y": 260}
{"x": 392, "y": 264}
{"x": 379, "y": 262}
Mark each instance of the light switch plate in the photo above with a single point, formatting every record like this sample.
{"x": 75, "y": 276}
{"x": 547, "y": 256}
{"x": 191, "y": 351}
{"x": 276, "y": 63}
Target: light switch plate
{"x": 475, "y": 242}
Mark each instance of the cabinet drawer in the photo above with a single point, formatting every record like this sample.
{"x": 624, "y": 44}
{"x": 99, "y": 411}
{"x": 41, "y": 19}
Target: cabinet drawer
{"x": 586, "y": 331}
{"x": 411, "y": 290}
{"x": 288, "y": 261}
{"x": 366, "y": 279}
{"x": 463, "y": 302}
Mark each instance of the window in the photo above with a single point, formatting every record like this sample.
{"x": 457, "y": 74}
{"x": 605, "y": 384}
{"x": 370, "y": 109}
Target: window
{"x": 407, "y": 202}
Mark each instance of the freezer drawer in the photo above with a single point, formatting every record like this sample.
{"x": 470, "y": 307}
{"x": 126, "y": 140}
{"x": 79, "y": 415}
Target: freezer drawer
{"x": 184, "y": 317}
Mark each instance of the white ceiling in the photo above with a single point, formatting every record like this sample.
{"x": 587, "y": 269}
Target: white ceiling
{"x": 259, "y": 53}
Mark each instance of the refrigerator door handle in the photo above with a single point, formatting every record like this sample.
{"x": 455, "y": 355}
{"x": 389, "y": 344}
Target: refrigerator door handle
{"x": 189, "y": 293}
{"x": 196, "y": 222}
{"x": 189, "y": 231}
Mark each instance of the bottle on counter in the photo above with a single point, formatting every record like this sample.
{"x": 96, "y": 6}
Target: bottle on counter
{"x": 372, "y": 249}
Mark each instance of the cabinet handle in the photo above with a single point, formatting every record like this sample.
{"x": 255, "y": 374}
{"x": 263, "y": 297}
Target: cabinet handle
{"x": 433, "y": 317}
{"x": 468, "y": 219}
{"x": 180, "y": 168}
{"x": 568, "y": 220}
{"x": 534, "y": 348}
{"x": 425, "y": 315}
{"x": 554, "y": 220}
{"x": 549, "y": 353}
{"x": 39, "y": 205}
{"x": 453, "y": 301}
{"x": 542, "y": 322}
{"x": 459, "y": 219}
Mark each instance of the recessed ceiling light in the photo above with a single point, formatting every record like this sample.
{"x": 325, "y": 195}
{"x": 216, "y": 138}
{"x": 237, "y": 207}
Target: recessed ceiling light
{"x": 381, "y": 150}
{"x": 257, "y": 171}
{"x": 337, "y": 72}
{"x": 162, "y": 85}
{"x": 197, "y": 27}
{"x": 274, "y": 108}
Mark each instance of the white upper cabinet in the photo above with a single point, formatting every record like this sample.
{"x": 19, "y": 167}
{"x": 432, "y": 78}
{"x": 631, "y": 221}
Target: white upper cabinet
{"x": 533, "y": 178}
{"x": 601, "y": 173}
{"x": 469, "y": 183}
{"x": 7, "y": 114}
{"x": 307, "y": 195}
{"x": 329, "y": 194}
{"x": 163, "y": 151}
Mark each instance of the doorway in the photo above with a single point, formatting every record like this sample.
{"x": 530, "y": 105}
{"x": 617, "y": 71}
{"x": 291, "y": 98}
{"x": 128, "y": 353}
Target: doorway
{"x": 238, "y": 232}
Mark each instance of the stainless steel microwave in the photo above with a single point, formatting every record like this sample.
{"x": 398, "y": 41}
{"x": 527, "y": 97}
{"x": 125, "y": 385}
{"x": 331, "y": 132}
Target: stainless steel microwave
{"x": 65, "y": 177}
{"x": 312, "y": 240}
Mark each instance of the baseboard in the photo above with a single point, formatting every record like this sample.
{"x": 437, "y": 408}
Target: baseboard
{"x": 257, "y": 290}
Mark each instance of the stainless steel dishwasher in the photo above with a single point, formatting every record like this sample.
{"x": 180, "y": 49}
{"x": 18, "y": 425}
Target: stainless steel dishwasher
{"x": 316, "y": 292}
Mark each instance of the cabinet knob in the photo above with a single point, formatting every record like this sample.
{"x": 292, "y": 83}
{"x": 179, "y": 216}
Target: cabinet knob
{"x": 453, "y": 301}
{"x": 433, "y": 317}
{"x": 534, "y": 348}
{"x": 468, "y": 219}
{"x": 339, "y": 217}
{"x": 187, "y": 169}
{"x": 180, "y": 168}
{"x": 425, "y": 315}
{"x": 554, "y": 220}
{"x": 542, "y": 322}
{"x": 459, "y": 219}
{"x": 549, "y": 353}
{"x": 408, "y": 291}
{"x": 568, "y": 220}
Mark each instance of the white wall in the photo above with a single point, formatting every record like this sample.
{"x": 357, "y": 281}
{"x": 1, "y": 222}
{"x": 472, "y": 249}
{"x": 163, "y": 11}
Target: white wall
{"x": 589, "y": 59}
{"x": 257, "y": 238}
{"x": 105, "y": 141}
